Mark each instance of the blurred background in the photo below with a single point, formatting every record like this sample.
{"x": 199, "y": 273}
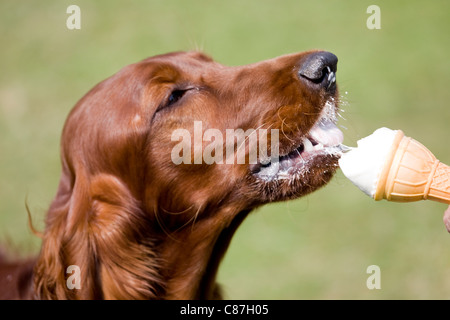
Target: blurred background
{"x": 317, "y": 247}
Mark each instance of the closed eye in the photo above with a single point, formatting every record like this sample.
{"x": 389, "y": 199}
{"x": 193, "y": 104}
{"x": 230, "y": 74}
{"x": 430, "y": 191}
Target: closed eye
{"x": 175, "y": 96}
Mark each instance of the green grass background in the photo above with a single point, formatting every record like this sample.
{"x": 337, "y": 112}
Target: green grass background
{"x": 317, "y": 247}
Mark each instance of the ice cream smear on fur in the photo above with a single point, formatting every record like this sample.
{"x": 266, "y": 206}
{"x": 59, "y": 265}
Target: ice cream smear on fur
{"x": 363, "y": 165}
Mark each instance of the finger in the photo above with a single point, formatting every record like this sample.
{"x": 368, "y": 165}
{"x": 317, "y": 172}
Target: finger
{"x": 447, "y": 219}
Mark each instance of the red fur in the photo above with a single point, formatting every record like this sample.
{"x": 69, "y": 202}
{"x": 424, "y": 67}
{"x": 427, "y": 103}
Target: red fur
{"x": 139, "y": 226}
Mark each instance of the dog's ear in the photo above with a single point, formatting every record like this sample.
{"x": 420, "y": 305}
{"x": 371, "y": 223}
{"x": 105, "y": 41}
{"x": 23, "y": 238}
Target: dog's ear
{"x": 123, "y": 246}
{"x": 98, "y": 226}
{"x": 62, "y": 244}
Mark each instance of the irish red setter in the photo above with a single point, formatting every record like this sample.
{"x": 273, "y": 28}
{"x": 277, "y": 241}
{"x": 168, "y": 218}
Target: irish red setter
{"x": 138, "y": 225}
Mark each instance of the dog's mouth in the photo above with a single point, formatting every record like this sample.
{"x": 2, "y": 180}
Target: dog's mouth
{"x": 323, "y": 140}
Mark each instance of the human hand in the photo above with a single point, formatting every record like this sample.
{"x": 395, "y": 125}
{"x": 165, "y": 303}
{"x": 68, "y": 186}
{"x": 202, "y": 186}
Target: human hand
{"x": 447, "y": 218}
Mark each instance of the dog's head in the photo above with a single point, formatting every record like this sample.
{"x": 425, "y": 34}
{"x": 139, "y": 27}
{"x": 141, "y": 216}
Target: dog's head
{"x": 179, "y": 138}
{"x": 181, "y": 126}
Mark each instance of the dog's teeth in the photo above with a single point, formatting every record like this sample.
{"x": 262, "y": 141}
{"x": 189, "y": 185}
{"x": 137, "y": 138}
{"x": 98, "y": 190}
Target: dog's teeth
{"x": 307, "y": 144}
{"x": 318, "y": 146}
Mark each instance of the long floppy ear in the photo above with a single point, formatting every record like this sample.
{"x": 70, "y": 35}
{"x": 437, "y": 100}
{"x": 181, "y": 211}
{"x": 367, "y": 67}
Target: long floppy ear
{"x": 99, "y": 227}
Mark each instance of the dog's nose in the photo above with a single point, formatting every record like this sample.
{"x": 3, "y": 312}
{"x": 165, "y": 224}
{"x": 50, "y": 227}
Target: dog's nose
{"x": 319, "y": 69}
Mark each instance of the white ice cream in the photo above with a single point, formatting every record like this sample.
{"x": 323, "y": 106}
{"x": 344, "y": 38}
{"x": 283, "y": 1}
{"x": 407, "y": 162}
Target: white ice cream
{"x": 363, "y": 165}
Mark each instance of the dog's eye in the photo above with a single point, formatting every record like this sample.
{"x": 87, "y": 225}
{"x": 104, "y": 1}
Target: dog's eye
{"x": 175, "y": 96}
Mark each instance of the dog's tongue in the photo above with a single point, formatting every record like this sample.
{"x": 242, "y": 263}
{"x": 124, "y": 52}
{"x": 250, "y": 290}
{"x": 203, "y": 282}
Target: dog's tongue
{"x": 326, "y": 133}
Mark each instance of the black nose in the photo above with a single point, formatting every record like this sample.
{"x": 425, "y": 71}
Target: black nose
{"x": 319, "y": 69}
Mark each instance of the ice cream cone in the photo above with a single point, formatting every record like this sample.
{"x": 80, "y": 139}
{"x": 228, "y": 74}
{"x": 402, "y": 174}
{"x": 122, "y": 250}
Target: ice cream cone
{"x": 411, "y": 173}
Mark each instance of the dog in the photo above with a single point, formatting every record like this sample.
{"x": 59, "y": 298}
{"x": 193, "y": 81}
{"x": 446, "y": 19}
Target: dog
{"x": 138, "y": 225}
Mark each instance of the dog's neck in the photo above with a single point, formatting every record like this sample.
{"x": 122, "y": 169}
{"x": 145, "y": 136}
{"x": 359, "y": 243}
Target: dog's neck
{"x": 192, "y": 258}
{"x": 119, "y": 257}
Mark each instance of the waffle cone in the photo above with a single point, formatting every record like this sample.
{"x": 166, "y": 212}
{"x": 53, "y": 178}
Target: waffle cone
{"x": 411, "y": 173}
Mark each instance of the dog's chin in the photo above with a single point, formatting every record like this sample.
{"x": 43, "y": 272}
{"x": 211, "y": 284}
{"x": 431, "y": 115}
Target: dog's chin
{"x": 298, "y": 180}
